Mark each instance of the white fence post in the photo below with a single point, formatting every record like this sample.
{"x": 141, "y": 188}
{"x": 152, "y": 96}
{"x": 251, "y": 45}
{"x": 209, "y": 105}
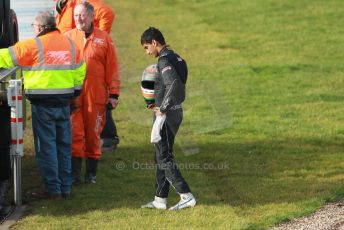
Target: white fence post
{"x": 15, "y": 101}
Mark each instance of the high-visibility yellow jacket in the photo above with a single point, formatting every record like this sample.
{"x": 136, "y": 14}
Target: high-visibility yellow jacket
{"x": 51, "y": 64}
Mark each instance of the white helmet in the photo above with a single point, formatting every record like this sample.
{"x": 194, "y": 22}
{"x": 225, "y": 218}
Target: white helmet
{"x": 147, "y": 84}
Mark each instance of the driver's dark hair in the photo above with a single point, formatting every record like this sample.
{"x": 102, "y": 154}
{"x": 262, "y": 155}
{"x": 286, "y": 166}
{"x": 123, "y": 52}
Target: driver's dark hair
{"x": 151, "y": 34}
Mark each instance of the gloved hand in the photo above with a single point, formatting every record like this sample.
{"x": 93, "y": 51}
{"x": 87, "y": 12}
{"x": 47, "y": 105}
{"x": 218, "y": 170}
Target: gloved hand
{"x": 60, "y": 4}
{"x": 150, "y": 104}
{"x": 113, "y": 102}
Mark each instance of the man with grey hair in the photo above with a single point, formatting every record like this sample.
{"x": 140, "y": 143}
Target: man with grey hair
{"x": 45, "y": 20}
{"x": 53, "y": 71}
{"x": 101, "y": 87}
{"x": 103, "y": 19}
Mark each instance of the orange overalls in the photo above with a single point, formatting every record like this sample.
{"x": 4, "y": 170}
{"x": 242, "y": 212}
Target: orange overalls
{"x": 102, "y": 79}
{"x": 103, "y": 16}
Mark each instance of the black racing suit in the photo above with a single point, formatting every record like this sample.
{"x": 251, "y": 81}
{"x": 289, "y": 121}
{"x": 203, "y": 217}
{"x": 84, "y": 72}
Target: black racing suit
{"x": 169, "y": 89}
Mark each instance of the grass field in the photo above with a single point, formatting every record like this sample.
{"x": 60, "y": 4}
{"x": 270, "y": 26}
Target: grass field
{"x": 262, "y": 138}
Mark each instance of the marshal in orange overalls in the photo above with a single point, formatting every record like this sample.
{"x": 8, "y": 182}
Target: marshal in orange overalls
{"x": 102, "y": 79}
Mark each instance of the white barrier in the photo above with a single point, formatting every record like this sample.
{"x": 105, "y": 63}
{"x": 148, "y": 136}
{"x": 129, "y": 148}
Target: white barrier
{"x": 15, "y": 101}
{"x": 11, "y": 82}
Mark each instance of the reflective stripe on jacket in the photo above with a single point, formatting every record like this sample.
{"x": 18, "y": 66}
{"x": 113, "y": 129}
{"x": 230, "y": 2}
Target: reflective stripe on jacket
{"x": 51, "y": 64}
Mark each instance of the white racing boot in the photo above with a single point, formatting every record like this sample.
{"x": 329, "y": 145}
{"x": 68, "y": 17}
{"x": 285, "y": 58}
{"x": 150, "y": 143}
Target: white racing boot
{"x": 158, "y": 203}
{"x": 186, "y": 200}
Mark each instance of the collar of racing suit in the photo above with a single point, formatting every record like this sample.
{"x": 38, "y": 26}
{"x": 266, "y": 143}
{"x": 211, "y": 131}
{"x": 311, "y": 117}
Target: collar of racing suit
{"x": 163, "y": 51}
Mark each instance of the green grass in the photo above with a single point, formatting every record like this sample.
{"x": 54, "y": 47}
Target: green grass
{"x": 262, "y": 139}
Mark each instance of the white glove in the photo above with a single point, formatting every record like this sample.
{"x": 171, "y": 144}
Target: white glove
{"x": 157, "y": 126}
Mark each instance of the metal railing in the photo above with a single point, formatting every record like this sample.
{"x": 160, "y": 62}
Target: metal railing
{"x": 11, "y": 92}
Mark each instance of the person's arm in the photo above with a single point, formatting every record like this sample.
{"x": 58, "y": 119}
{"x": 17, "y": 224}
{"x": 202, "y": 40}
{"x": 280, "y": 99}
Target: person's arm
{"x": 105, "y": 17}
{"x": 174, "y": 88}
{"x": 112, "y": 77}
{"x": 20, "y": 54}
{"x": 64, "y": 17}
{"x": 5, "y": 58}
{"x": 79, "y": 76}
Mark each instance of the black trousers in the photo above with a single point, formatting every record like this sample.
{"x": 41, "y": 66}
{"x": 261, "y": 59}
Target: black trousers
{"x": 167, "y": 172}
{"x": 5, "y": 139}
{"x": 109, "y": 130}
